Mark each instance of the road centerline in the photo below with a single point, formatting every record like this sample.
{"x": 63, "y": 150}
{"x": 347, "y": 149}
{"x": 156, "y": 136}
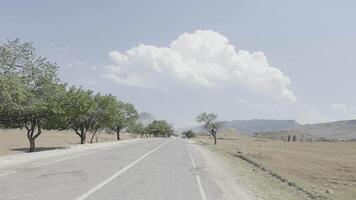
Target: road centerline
{"x": 111, "y": 178}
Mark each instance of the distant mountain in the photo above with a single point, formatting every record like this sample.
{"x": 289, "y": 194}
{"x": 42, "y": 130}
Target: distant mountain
{"x": 145, "y": 118}
{"x": 332, "y": 130}
{"x": 341, "y": 130}
{"x": 259, "y": 125}
{"x": 249, "y": 127}
{"x": 292, "y": 135}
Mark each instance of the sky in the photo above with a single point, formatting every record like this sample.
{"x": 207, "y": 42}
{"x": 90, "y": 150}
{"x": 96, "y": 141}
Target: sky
{"x": 241, "y": 59}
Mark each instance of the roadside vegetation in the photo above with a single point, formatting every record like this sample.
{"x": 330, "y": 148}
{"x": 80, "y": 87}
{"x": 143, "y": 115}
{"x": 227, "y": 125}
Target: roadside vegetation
{"x": 188, "y": 134}
{"x": 33, "y": 99}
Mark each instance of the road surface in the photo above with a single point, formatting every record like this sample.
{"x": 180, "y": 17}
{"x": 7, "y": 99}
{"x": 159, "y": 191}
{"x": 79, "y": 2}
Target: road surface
{"x": 147, "y": 169}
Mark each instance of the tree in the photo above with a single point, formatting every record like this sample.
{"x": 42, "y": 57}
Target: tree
{"x": 159, "y": 128}
{"x": 125, "y": 114}
{"x": 103, "y": 114}
{"x": 210, "y": 123}
{"x": 79, "y": 111}
{"x": 136, "y": 128}
{"x": 189, "y": 134}
{"x": 30, "y": 90}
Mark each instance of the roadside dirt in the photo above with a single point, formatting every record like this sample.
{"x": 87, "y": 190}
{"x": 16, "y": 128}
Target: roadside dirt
{"x": 326, "y": 170}
{"x": 14, "y": 141}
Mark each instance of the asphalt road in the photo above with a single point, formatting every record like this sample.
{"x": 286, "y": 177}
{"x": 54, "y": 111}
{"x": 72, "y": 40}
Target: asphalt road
{"x": 149, "y": 169}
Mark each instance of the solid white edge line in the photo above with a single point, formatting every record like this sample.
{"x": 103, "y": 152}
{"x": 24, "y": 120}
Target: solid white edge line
{"x": 7, "y": 173}
{"x": 58, "y": 160}
{"x": 200, "y": 185}
{"x": 108, "y": 180}
{"x": 63, "y": 159}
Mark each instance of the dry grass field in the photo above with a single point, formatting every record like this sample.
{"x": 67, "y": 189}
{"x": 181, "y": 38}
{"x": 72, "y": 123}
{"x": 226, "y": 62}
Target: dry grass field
{"x": 13, "y": 141}
{"x": 322, "y": 168}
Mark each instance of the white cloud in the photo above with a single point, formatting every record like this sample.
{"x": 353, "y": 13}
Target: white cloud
{"x": 311, "y": 116}
{"x": 200, "y": 59}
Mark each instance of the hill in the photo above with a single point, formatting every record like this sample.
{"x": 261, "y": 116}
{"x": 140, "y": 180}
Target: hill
{"x": 249, "y": 127}
{"x": 332, "y": 130}
{"x": 259, "y": 125}
{"x": 293, "y": 136}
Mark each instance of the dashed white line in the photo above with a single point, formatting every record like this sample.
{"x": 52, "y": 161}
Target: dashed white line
{"x": 191, "y": 157}
{"x": 201, "y": 189}
{"x": 200, "y": 185}
{"x": 108, "y": 180}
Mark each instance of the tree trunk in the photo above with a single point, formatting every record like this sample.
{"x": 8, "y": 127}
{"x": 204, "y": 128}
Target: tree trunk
{"x": 214, "y": 136}
{"x": 30, "y": 127}
{"x": 118, "y": 135}
{"x": 32, "y": 145}
{"x": 83, "y": 138}
{"x": 92, "y": 138}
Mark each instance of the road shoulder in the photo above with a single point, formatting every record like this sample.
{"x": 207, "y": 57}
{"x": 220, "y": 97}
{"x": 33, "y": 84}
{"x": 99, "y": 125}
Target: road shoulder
{"x": 255, "y": 182}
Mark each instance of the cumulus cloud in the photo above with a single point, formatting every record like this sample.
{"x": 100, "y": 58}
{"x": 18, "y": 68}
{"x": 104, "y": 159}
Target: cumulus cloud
{"x": 201, "y": 59}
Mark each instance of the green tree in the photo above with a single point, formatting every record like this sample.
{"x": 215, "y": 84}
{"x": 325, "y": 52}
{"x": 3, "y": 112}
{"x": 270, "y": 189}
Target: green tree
{"x": 159, "y": 128}
{"x": 103, "y": 114}
{"x": 79, "y": 111}
{"x": 210, "y": 123}
{"x": 30, "y": 90}
{"x": 136, "y": 128}
{"x": 189, "y": 134}
{"x": 125, "y": 115}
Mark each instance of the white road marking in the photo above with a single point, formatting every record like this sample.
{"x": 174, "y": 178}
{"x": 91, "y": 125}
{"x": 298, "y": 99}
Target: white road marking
{"x": 63, "y": 159}
{"x": 48, "y": 163}
{"x": 200, "y": 185}
{"x": 201, "y": 189}
{"x": 191, "y": 157}
{"x": 108, "y": 180}
{"x": 7, "y": 173}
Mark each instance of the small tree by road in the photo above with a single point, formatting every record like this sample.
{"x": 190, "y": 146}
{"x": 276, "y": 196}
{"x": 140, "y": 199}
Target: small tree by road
{"x": 210, "y": 123}
{"x": 188, "y": 134}
{"x": 103, "y": 114}
{"x": 125, "y": 114}
{"x": 79, "y": 108}
{"x": 159, "y": 128}
{"x": 137, "y": 128}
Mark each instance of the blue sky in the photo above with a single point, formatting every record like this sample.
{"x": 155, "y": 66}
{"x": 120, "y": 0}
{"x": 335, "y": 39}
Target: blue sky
{"x": 312, "y": 43}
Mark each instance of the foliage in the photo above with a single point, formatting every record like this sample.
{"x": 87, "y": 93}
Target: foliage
{"x": 159, "y": 128}
{"x": 30, "y": 90}
{"x": 125, "y": 114}
{"x": 189, "y": 134}
{"x": 32, "y": 97}
{"x": 137, "y": 128}
{"x": 102, "y": 116}
{"x": 78, "y": 111}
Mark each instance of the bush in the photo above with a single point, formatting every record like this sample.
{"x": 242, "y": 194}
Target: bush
{"x": 188, "y": 134}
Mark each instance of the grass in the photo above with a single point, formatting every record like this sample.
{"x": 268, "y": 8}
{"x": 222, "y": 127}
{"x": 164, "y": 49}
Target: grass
{"x": 321, "y": 170}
